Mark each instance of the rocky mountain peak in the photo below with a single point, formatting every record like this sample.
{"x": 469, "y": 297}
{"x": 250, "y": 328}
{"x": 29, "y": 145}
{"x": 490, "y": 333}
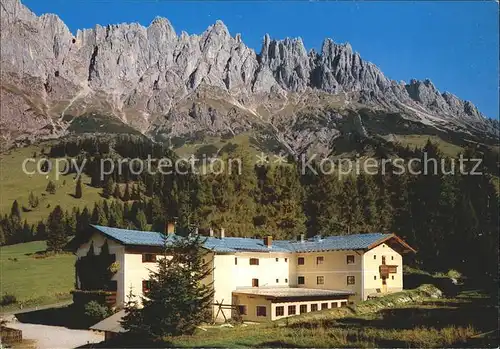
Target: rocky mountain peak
{"x": 140, "y": 74}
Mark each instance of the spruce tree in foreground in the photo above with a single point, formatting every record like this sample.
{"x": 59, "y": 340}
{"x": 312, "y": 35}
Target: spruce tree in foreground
{"x": 178, "y": 299}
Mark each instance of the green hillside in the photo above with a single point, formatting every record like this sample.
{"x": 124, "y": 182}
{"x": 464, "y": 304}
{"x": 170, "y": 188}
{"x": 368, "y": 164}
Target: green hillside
{"x": 17, "y": 185}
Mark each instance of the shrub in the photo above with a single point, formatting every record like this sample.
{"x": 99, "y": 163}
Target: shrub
{"x": 96, "y": 311}
{"x": 454, "y": 274}
{"x": 8, "y": 299}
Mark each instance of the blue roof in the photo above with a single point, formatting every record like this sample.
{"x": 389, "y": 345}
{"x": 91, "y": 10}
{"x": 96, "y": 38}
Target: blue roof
{"x": 238, "y": 244}
{"x": 342, "y": 242}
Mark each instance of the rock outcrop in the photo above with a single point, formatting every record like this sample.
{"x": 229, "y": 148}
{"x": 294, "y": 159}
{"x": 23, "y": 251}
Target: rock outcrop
{"x": 154, "y": 80}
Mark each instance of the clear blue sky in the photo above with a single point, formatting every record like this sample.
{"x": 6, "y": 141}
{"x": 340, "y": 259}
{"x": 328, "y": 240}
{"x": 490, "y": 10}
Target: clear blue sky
{"x": 455, "y": 44}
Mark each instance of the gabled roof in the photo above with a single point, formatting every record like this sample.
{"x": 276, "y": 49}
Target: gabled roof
{"x": 129, "y": 237}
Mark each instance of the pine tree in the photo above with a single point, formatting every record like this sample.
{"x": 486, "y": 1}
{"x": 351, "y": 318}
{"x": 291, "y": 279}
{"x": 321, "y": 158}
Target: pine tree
{"x": 117, "y": 193}
{"x": 179, "y": 299}
{"x": 141, "y": 221}
{"x": 3, "y": 238}
{"x": 350, "y": 207}
{"x": 158, "y": 217}
{"x": 56, "y": 236}
{"x": 367, "y": 192}
{"x": 33, "y": 200}
{"x": 83, "y": 221}
{"x": 98, "y": 215}
{"x": 78, "y": 188}
{"x": 322, "y": 206}
{"x": 27, "y": 234}
{"x": 108, "y": 188}
{"x": 51, "y": 188}
{"x": 41, "y": 231}
{"x": 15, "y": 212}
{"x": 70, "y": 222}
{"x": 126, "y": 193}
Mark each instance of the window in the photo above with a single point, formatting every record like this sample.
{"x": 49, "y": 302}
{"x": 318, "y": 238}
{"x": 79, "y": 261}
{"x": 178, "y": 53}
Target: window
{"x": 374, "y": 277}
{"x": 277, "y": 259}
{"x": 242, "y": 309}
{"x": 261, "y": 311}
{"x": 235, "y": 260}
{"x": 350, "y": 259}
{"x": 343, "y": 304}
{"x": 292, "y": 309}
{"x": 392, "y": 258}
{"x": 286, "y": 281}
{"x": 280, "y": 311}
{"x": 254, "y": 261}
{"x": 148, "y": 258}
{"x": 277, "y": 281}
{"x": 374, "y": 256}
{"x": 320, "y": 280}
{"x": 334, "y": 305}
{"x": 255, "y": 282}
{"x": 320, "y": 260}
{"x": 314, "y": 307}
{"x": 300, "y": 261}
{"x": 392, "y": 277}
{"x": 324, "y": 306}
{"x": 351, "y": 280}
{"x": 286, "y": 260}
{"x": 383, "y": 259}
{"x": 303, "y": 308}
{"x": 301, "y": 280}
{"x": 146, "y": 286}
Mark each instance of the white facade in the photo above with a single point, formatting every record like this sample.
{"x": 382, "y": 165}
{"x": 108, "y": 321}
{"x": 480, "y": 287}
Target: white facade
{"x": 357, "y": 271}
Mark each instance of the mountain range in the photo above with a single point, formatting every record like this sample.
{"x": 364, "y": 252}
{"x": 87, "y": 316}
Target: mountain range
{"x": 170, "y": 87}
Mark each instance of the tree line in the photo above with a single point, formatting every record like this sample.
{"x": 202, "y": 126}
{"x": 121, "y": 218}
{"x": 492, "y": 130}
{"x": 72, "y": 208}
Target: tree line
{"x": 450, "y": 219}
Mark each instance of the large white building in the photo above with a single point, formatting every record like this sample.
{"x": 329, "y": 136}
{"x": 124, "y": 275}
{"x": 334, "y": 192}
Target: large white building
{"x": 262, "y": 279}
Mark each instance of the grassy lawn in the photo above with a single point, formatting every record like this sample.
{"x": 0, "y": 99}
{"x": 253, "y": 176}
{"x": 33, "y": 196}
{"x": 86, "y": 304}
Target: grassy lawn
{"x": 16, "y": 185}
{"x": 33, "y": 278}
{"x": 464, "y": 321}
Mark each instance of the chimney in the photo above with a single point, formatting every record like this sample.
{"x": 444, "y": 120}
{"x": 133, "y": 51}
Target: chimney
{"x": 222, "y": 233}
{"x": 268, "y": 241}
{"x": 211, "y": 232}
{"x": 170, "y": 228}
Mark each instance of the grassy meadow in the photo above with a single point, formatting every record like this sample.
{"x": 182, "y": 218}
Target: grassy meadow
{"x": 17, "y": 185}
{"x": 34, "y": 278}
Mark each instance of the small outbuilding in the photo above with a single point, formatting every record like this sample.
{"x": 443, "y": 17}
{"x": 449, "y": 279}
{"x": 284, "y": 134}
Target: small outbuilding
{"x": 111, "y": 326}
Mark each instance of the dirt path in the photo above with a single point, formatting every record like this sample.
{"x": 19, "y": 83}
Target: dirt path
{"x": 54, "y": 337}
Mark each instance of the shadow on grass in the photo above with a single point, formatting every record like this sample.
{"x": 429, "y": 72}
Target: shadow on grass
{"x": 126, "y": 341}
{"x": 274, "y": 344}
{"x": 68, "y": 317}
